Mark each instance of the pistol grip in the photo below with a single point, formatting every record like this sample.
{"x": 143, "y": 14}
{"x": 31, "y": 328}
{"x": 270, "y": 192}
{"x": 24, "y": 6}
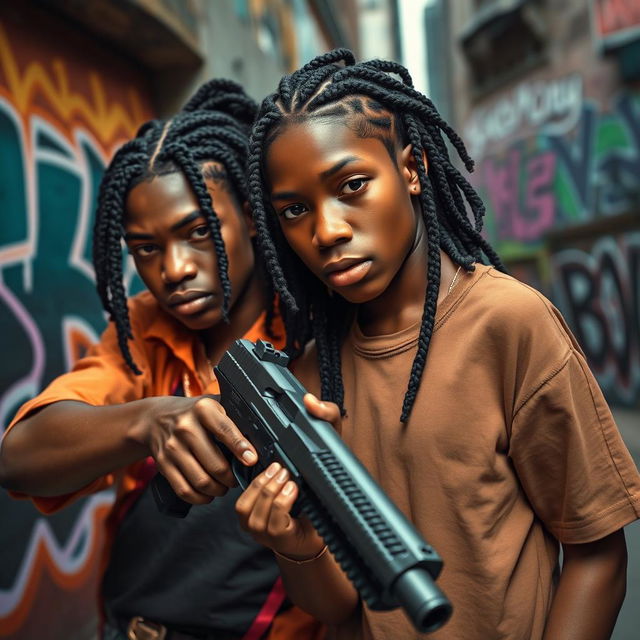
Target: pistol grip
{"x": 166, "y": 499}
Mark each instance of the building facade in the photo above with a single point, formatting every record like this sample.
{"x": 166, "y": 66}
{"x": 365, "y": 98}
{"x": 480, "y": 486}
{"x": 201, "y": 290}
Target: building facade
{"x": 547, "y": 99}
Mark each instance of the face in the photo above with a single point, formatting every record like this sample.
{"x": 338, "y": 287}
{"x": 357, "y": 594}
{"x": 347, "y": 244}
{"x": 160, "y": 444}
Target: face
{"x": 173, "y": 252}
{"x": 344, "y": 205}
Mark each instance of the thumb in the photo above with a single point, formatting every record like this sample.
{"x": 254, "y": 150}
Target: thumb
{"x": 328, "y": 411}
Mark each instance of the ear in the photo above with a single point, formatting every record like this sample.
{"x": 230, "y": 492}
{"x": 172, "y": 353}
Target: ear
{"x": 409, "y": 169}
{"x": 248, "y": 217}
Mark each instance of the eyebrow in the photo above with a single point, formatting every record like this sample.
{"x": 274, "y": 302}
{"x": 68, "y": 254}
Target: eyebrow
{"x": 286, "y": 195}
{"x": 337, "y": 166}
{"x": 190, "y": 217}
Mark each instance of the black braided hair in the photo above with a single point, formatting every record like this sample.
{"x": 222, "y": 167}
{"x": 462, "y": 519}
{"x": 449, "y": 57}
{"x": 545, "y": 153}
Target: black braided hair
{"x": 213, "y": 126}
{"x": 375, "y": 99}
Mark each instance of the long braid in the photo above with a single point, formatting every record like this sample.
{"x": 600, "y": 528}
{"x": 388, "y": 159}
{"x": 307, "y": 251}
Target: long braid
{"x": 433, "y": 271}
{"x": 213, "y": 126}
{"x": 185, "y": 161}
{"x": 375, "y": 99}
{"x": 262, "y": 220}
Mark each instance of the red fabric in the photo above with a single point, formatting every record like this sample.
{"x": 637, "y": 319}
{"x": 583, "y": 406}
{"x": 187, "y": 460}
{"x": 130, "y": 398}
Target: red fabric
{"x": 268, "y": 612}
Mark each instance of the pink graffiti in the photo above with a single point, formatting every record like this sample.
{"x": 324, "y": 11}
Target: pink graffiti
{"x": 524, "y": 205}
{"x": 539, "y": 198}
{"x": 30, "y": 384}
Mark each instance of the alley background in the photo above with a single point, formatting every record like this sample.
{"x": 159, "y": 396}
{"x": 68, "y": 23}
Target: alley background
{"x": 545, "y": 94}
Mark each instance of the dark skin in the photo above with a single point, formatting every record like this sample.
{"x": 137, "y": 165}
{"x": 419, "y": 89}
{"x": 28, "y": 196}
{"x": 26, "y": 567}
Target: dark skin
{"x": 68, "y": 444}
{"x": 339, "y": 196}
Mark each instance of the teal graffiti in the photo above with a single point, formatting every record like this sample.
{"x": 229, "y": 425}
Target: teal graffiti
{"x": 48, "y": 210}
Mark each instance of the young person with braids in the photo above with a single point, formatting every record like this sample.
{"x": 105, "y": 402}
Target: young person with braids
{"x": 461, "y": 389}
{"x": 140, "y": 400}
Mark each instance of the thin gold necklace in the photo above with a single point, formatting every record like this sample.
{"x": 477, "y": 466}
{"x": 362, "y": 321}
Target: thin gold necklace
{"x": 453, "y": 282}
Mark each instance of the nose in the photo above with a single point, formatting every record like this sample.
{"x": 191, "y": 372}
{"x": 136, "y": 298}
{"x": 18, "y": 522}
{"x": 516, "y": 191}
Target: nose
{"x": 178, "y": 264}
{"x": 331, "y": 228}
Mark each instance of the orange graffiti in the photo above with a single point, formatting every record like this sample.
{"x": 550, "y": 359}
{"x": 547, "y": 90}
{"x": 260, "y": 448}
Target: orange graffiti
{"x": 44, "y": 563}
{"x": 79, "y": 343}
{"x": 108, "y": 120}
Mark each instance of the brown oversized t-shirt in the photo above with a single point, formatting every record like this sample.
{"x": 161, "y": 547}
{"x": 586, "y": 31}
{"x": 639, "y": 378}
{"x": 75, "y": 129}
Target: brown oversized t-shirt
{"x": 509, "y": 449}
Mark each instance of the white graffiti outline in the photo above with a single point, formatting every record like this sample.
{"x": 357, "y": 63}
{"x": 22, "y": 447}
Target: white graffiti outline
{"x": 70, "y": 161}
{"x": 23, "y": 251}
{"x": 68, "y": 558}
{"x": 29, "y": 385}
{"x": 82, "y": 235}
{"x": 528, "y": 105}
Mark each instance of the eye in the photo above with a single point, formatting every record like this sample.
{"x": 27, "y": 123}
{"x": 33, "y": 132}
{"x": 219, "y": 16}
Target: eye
{"x": 143, "y": 250}
{"x": 293, "y": 211}
{"x": 354, "y": 185}
{"x": 200, "y": 233}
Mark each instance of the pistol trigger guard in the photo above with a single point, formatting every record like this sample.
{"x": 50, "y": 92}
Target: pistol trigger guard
{"x": 240, "y": 473}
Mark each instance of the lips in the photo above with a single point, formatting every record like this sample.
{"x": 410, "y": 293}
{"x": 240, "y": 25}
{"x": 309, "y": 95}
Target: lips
{"x": 341, "y": 265}
{"x": 347, "y": 271}
{"x": 176, "y": 299}
{"x": 190, "y": 302}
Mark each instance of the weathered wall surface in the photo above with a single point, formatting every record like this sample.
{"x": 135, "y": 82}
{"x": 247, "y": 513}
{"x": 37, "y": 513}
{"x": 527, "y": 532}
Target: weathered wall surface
{"x": 557, "y": 153}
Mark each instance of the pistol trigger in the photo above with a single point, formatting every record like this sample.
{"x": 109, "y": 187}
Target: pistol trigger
{"x": 240, "y": 473}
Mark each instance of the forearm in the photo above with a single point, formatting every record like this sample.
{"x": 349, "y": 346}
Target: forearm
{"x": 68, "y": 444}
{"x": 321, "y": 588}
{"x": 590, "y": 592}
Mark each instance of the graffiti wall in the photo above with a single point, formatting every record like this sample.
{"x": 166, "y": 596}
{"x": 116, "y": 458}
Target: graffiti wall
{"x": 580, "y": 163}
{"x": 597, "y": 286}
{"x": 553, "y": 156}
{"x": 65, "y": 106}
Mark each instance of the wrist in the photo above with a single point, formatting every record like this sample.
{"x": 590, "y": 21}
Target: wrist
{"x": 143, "y": 415}
{"x": 302, "y": 559}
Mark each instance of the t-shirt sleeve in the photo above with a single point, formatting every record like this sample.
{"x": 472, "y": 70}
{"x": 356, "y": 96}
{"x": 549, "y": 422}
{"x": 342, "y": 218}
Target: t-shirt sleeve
{"x": 570, "y": 458}
{"x": 101, "y": 378}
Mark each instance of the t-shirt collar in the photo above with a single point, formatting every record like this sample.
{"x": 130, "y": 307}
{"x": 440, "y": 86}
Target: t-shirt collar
{"x": 384, "y": 345}
{"x": 180, "y": 340}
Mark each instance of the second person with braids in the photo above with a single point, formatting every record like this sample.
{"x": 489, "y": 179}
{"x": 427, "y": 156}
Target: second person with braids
{"x": 460, "y": 388}
{"x": 138, "y": 402}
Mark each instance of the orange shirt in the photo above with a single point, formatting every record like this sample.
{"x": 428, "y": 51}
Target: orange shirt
{"x": 164, "y": 350}
{"x": 167, "y": 353}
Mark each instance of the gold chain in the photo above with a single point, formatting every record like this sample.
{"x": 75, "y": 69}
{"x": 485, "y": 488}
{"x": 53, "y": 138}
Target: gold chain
{"x": 453, "y": 282}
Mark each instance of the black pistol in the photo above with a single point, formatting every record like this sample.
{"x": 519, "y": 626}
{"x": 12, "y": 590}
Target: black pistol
{"x": 382, "y": 553}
